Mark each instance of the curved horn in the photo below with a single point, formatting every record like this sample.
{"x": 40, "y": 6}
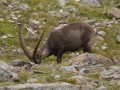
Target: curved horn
{"x": 22, "y": 42}
{"x": 37, "y": 45}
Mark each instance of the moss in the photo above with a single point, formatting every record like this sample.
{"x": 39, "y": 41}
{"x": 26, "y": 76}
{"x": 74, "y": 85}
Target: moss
{"x": 113, "y": 87}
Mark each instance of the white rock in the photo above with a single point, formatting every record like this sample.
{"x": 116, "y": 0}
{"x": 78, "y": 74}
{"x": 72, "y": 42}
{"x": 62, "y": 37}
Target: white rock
{"x": 68, "y": 68}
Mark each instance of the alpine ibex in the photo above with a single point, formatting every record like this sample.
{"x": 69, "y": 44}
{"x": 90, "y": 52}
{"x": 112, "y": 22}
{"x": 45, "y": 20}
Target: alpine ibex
{"x": 71, "y": 37}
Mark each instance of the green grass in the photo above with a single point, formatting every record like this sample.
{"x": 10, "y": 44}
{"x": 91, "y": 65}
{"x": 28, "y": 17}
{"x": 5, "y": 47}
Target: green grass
{"x": 42, "y": 8}
{"x": 113, "y": 87}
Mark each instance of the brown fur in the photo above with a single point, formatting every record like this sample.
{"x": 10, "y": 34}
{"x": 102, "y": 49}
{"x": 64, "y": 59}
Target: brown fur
{"x": 72, "y": 37}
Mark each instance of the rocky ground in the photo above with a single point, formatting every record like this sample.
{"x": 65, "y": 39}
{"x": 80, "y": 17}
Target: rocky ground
{"x": 78, "y": 71}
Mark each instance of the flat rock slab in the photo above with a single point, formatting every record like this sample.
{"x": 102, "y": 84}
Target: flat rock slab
{"x": 35, "y": 86}
{"x": 114, "y": 13}
{"x": 91, "y": 59}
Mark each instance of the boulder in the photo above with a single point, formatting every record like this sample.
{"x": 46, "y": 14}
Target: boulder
{"x": 4, "y": 65}
{"x": 35, "y": 86}
{"x": 91, "y": 59}
{"x": 93, "y": 3}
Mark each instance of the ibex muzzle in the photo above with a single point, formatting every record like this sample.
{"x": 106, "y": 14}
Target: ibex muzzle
{"x": 72, "y": 37}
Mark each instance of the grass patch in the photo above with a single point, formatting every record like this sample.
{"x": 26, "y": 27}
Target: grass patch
{"x": 94, "y": 75}
{"x": 24, "y": 75}
{"x": 72, "y": 81}
{"x": 113, "y": 87}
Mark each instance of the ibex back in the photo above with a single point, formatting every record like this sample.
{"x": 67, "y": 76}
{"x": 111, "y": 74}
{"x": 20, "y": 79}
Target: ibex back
{"x": 72, "y": 37}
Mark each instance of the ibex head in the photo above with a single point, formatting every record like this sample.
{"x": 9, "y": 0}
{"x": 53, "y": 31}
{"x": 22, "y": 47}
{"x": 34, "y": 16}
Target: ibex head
{"x": 33, "y": 56}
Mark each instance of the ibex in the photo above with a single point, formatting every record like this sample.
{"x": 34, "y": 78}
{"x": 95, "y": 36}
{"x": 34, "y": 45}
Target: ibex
{"x": 71, "y": 37}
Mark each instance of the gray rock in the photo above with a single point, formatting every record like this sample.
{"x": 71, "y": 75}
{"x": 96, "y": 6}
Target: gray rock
{"x": 35, "y": 86}
{"x": 15, "y": 77}
{"x": 77, "y": 0}
{"x": 57, "y": 77}
{"x": 14, "y": 69}
{"x": 18, "y": 6}
{"x": 104, "y": 47}
{"x": 98, "y": 37}
{"x": 34, "y": 24}
{"x": 80, "y": 80}
{"x": 4, "y": 75}
{"x": 31, "y": 37}
{"x": 18, "y": 62}
{"x": 102, "y": 88}
{"x": 62, "y": 2}
{"x": 112, "y": 73}
{"x": 62, "y": 14}
{"x": 118, "y": 38}
{"x": 118, "y": 5}
{"x": 4, "y": 65}
{"x": 1, "y": 54}
{"x": 68, "y": 68}
{"x": 4, "y": 2}
{"x": 90, "y": 21}
{"x": 28, "y": 66}
{"x": 114, "y": 13}
{"x": 3, "y": 37}
{"x": 93, "y": 3}
{"x": 83, "y": 70}
{"x": 101, "y": 33}
{"x": 24, "y": 7}
{"x": 90, "y": 59}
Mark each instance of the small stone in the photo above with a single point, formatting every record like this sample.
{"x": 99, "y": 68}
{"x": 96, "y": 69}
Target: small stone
{"x": 1, "y": 19}
{"x": 62, "y": 14}
{"x": 29, "y": 29}
{"x": 101, "y": 33}
{"x": 77, "y": 0}
{"x": 4, "y": 2}
{"x": 4, "y": 75}
{"x": 104, "y": 47}
{"x": 1, "y": 54}
{"x": 3, "y": 37}
{"x": 90, "y": 21}
{"x": 118, "y": 5}
{"x": 84, "y": 70}
{"x": 80, "y": 80}
{"x": 118, "y": 38}
{"x": 31, "y": 37}
{"x": 18, "y": 62}
{"x": 107, "y": 74}
{"x": 92, "y": 3}
{"x": 10, "y": 36}
{"x": 114, "y": 13}
{"x": 57, "y": 77}
{"x": 24, "y": 7}
{"x": 15, "y": 77}
{"x": 102, "y": 88}
{"x": 68, "y": 68}
{"x": 32, "y": 80}
{"x": 62, "y": 2}
{"x": 4, "y": 65}
{"x": 34, "y": 24}
{"x": 99, "y": 38}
